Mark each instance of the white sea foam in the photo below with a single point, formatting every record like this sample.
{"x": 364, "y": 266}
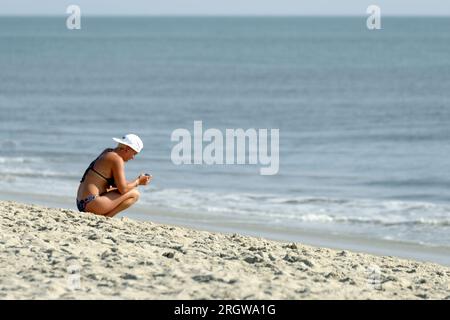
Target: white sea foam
{"x": 20, "y": 160}
{"x": 305, "y": 209}
{"x": 416, "y": 222}
{"x": 27, "y": 172}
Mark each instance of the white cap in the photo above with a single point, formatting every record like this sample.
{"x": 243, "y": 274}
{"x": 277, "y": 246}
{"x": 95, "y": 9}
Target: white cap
{"x": 131, "y": 140}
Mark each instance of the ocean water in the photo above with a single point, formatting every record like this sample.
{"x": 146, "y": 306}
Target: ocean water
{"x": 364, "y": 116}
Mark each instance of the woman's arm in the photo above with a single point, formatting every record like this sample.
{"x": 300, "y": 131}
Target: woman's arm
{"x": 123, "y": 186}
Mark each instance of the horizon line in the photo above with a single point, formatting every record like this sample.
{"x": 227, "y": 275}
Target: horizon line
{"x": 229, "y": 15}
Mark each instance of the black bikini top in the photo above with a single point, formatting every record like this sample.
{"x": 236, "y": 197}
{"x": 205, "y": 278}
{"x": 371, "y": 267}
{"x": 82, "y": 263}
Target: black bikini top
{"x": 110, "y": 181}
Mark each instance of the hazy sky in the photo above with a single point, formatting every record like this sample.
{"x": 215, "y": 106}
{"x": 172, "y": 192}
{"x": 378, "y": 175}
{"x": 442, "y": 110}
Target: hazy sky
{"x": 225, "y": 7}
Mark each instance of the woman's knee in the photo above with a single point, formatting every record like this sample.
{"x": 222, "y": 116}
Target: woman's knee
{"x": 134, "y": 194}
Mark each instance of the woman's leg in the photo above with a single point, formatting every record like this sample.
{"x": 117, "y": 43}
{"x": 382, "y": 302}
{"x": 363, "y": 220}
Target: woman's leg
{"x": 113, "y": 202}
{"x": 124, "y": 205}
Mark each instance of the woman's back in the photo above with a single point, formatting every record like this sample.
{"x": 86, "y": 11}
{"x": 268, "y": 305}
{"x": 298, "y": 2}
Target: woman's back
{"x": 98, "y": 177}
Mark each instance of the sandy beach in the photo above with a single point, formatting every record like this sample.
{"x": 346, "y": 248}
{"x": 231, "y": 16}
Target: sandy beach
{"x": 51, "y": 253}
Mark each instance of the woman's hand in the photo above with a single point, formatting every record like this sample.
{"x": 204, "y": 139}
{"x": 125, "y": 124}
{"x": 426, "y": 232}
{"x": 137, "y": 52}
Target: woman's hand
{"x": 144, "y": 179}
